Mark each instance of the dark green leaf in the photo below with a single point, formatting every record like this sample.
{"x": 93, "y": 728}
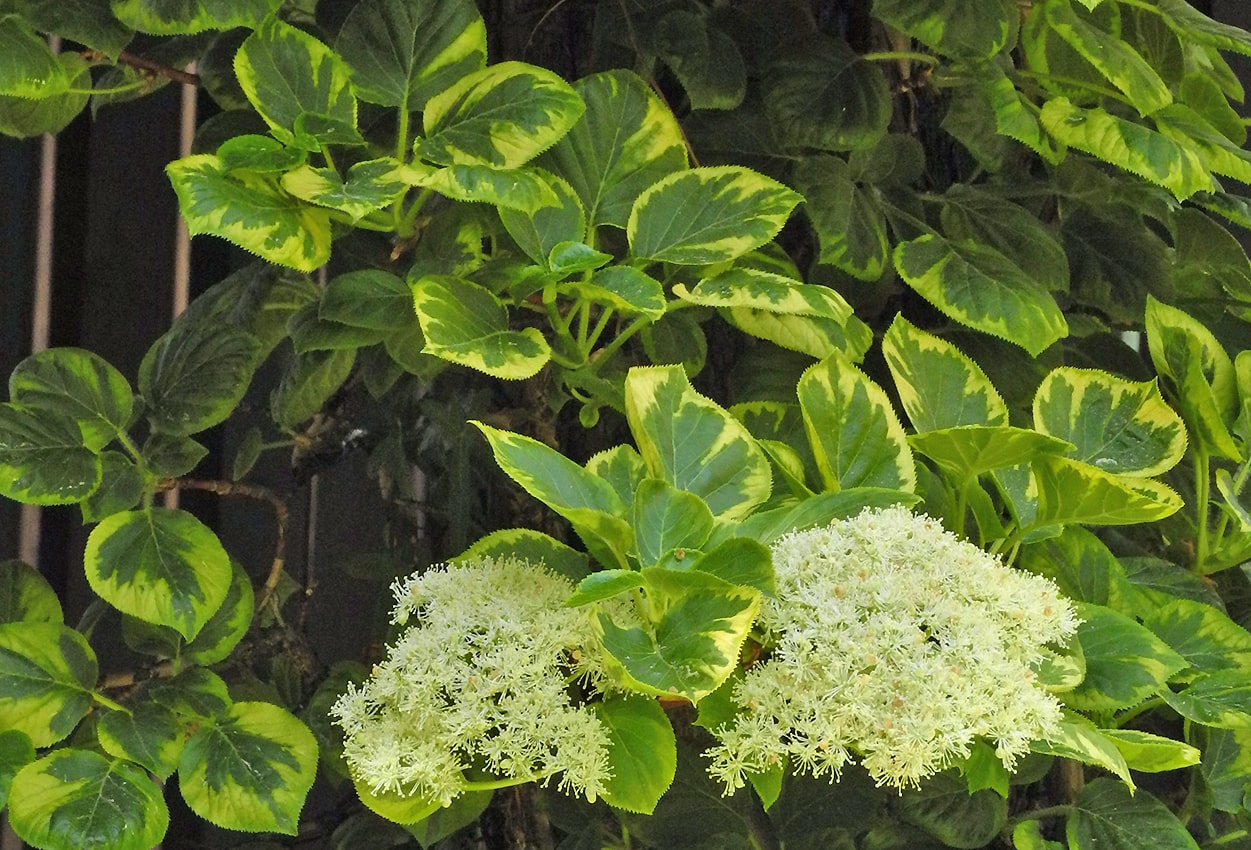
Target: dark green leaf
{"x": 1108, "y": 816}
{"x": 948, "y": 811}
{"x": 121, "y": 487}
{"x": 1205, "y": 636}
{"x": 849, "y": 223}
{"x": 80, "y": 385}
{"x": 16, "y": 751}
{"x": 88, "y": 22}
{"x": 533, "y": 546}
{"x": 1125, "y": 662}
{"x": 148, "y": 735}
{"x": 26, "y": 596}
{"x": 311, "y": 332}
{"x": 169, "y": 456}
{"x": 42, "y": 458}
{"x": 195, "y": 375}
{"x": 24, "y": 117}
{"x": 705, "y": 60}
{"x": 310, "y": 381}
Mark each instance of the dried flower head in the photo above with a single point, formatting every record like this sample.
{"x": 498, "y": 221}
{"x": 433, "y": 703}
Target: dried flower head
{"x": 896, "y": 643}
{"x": 480, "y": 678}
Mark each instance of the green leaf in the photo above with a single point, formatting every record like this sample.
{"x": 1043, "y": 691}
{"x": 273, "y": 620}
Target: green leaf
{"x": 538, "y": 232}
{"x": 1123, "y": 66}
{"x": 88, "y": 22}
{"x": 76, "y": 798}
{"x": 939, "y": 387}
{"x": 1206, "y": 637}
{"x": 403, "y": 52}
{"x": 222, "y": 633}
{"x": 251, "y": 770}
{"x": 250, "y": 211}
{"x": 1125, "y": 662}
{"x": 28, "y": 67}
{"x": 463, "y": 811}
{"x": 196, "y": 694}
{"x": 310, "y": 332}
{"x": 368, "y": 298}
{"x": 161, "y": 565}
{"x": 975, "y": 214}
{"x": 167, "y": 457}
{"x": 1081, "y": 740}
{"x": 80, "y": 385}
{"x": 1109, "y": 816}
{"x": 826, "y": 97}
{"x": 1189, "y": 129}
{"x": 980, "y": 287}
{"x": 1082, "y": 566}
{"x": 16, "y": 751}
{"x": 47, "y": 673}
{"x": 966, "y": 28}
{"x": 604, "y": 584}
{"x": 946, "y": 809}
{"x": 182, "y": 17}
{"x": 507, "y": 188}
{"x": 286, "y": 73}
{"x": 967, "y": 451}
{"x": 262, "y": 154}
{"x": 1073, "y": 492}
{"x": 626, "y": 141}
{"x": 585, "y": 499}
{"x": 666, "y": 518}
{"x": 691, "y": 646}
{"x": 739, "y": 560}
{"x": 1190, "y": 357}
{"x": 1015, "y": 114}
{"x": 706, "y": 61}
{"x": 42, "y": 458}
{"x": 195, "y": 375}
{"x": 849, "y": 223}
{"x": 693, "y": 444}
{"x": 708, "y": 215}
{"x": 1119, "y": 426}
{"x": 641, "y": 749}
{"x": 1152, "y": 753}
{"x": 1194, "y": 26}
{"x": 622, "y": 288}
{"x": 369, "y": 186}
{"x": 622, "y": 467}
{"x": 820, "y": 509}
{"x": 816, "y": 336}
{"x": 26, "y": 596}
{"x": 24, "y": 117}
{"x": 772, "y": 293}
{"x": 149, "y": 735}
{"x": 1226, "y": 761}
{"x": 466, "y": 324}
{"x": 308, "y": 384}
{"x": 1133, "y": 147}
{"x": 1221, "y": 699}
{"x": 502, "y": 116}
{"x": 533, "y": 546}
{"x": 855, "y": 435}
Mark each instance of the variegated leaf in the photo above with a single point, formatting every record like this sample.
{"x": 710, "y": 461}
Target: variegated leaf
{"x": 708, "y": 215}
{"x": 1133, "y": 147}
{"x": 1120, "y": 426}
{"x": 1120, "y": 63}
{"x": 626, "y": 141}
{"x": 184, "y": 17}
{"x": 976, "y": 29}
{"x": 250, "y": 211}
{"x": 855, "y": 435}
{"x": 1192, "y": 131}
{"x": 1015, "y": 115}
{"x": 47, "y": 672}
{"x": 816, "y": 336}
{"x": 161, "y": 565}
{"x": 620, "y": 466}
{"x": 690, "y": 442}
{"x": 1194, "y": 26}
{"x": 966, "y": 451}
{"x": 849, "y": 223}
{"x": 980, "y": 287}
{"x": 369, "y": 186}
{"x": 508, "y": 188}
{"x": 466, "y": 324}
{"x": 43, "y": 459}
{"x": 1070, "y": 491}
{"x": 1189, "y": 356}
{"x": 622, "y": 288}
{"x": 502, "y": 116}
{"x": 938, "y": 385}
{"x": 586, "y": 499}
{"x": 403, "y": 52}
{"x": 287, "y": 74}
{"x": 539, "y": 230}
{"x": 765, "y": 291}
{"x": 28, "y": 68}
{"x": 81, "y": 385}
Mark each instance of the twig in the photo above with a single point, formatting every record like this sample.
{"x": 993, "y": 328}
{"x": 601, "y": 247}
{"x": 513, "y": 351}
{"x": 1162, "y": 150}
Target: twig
{"x": 252, "y": 491}
{"x": 130, "y": 678}
{"x": 153, "y": 67}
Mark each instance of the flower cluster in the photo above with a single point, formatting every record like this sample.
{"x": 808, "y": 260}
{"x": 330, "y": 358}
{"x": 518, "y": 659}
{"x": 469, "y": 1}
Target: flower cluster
{"x": 480, "y": 679}
{"x": 898, "y": 643}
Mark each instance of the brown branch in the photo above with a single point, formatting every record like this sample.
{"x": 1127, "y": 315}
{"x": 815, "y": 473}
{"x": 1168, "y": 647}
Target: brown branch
{"x": 130, "y": 678}
{"x": 251, "y": 491}
{"x": 150, "y": 66}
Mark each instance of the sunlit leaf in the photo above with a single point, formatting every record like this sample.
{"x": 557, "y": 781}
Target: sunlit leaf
{"x": 369, "y": 186}
{"x": 1125, "y": 662}
{"x": 642, "y": 750}
{"x": 182, "y": 17}
{"x": 26, "y": 596}
{"x": 47, "y": 673}
{"x": 1070, "y": 491}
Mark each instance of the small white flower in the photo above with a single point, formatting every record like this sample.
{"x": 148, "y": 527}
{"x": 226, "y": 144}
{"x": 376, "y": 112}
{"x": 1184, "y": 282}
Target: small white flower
{"x": 481, "y": 676}
{"x": 894, "y": 641}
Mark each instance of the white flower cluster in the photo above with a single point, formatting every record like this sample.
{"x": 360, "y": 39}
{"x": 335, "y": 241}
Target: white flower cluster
{"x": 480, "y": 679}
{"x": 898, "y": 643}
